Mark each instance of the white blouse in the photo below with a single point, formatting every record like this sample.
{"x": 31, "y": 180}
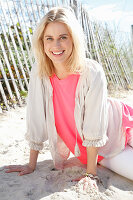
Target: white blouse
{"x": 98, "y": 118}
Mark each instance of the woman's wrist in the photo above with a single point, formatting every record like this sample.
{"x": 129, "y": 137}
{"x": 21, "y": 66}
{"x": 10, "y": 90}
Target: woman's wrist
{"x": 31, "y": 166}
{"x": 33, "y": 159}
{"x": 93, "y": 171}
{"x": 93, "y": 177}
{"x": 92, "y": 153}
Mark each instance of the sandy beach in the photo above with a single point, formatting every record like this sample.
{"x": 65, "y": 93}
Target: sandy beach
{"x": 46, "y": 183}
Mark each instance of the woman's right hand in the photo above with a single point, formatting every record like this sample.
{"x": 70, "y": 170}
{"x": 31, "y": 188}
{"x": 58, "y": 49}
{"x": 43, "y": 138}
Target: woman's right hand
{"x": 22, "y": 169}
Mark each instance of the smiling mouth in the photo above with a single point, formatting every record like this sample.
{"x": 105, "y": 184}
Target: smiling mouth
{"x": 58, "y": 53}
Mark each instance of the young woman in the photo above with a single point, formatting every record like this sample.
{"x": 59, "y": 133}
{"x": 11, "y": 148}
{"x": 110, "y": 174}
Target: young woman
{"x": 67, "y": 100}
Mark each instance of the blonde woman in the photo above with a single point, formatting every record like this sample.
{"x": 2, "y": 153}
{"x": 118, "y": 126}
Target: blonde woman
{"x": 67, "y": 101}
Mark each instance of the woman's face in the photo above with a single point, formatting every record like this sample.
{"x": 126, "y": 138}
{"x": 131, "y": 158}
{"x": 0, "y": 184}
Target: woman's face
{"x": 58, "y": 43}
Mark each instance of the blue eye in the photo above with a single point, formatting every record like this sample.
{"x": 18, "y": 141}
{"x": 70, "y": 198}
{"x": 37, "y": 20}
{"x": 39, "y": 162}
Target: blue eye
{"x": 49, "y": 38}
{"x": 63, "y": 37}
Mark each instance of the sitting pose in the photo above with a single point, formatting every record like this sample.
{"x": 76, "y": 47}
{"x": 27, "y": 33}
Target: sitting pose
{"x": 68, "y": 103}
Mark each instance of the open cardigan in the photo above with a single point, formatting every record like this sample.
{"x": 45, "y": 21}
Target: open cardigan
{"x": 98, "y": 118}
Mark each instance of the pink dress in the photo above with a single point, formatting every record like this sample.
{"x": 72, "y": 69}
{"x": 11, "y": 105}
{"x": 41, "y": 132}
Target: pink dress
{"x": 64, "y": 104}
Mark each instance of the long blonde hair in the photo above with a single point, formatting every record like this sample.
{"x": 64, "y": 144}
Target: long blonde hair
{"x": 75, "y": 62}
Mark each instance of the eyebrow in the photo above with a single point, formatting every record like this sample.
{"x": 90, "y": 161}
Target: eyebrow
{"x": 59, "y": 35}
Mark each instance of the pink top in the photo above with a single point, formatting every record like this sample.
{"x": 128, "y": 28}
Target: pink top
{"x": 64, "y": 104}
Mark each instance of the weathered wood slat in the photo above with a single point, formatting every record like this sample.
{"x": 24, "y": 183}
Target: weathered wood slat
{"x": 6, "y": 80}
{"x": 4, "y": 96}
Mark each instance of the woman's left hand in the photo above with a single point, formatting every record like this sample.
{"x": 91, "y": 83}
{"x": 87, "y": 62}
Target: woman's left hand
{"x": 87, "y": 183}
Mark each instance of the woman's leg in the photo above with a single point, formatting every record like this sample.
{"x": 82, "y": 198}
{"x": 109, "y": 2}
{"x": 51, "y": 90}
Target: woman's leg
{"x": 121, "y": 164}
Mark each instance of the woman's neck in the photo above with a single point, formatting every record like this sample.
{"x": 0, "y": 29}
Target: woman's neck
{"x": 62, "y": 75}
{"x": 61, "y": 72}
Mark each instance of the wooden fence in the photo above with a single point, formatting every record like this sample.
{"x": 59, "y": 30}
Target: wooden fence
{"x": 18, "y": 18}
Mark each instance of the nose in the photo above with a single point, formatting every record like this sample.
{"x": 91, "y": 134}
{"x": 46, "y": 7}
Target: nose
{"x": 57, "y": 43}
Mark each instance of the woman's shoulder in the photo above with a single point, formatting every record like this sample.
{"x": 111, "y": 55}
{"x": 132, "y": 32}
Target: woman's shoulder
{"x": 92, "y": 67}
{"x": 92, "y": 64}
{"x": 34, "y": 69}
{"x": 35, "y": 72}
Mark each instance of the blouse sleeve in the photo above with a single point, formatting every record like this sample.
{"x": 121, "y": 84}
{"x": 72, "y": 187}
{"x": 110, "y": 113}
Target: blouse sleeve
{"x": 35, "y": 117}
{"x": 95, "y": 117}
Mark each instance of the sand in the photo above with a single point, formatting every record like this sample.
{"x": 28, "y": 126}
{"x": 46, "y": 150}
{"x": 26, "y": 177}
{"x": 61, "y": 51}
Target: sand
{"x": 46, "y": 183}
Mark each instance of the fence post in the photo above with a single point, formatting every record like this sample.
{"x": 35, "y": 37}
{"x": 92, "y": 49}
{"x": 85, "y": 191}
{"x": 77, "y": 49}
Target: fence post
{"x": 75, "y": 7}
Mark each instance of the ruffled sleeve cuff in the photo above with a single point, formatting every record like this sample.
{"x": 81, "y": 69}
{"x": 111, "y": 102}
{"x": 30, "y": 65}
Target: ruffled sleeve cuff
{"x": 35, "y": 146}
{"x": 95, "y": 143}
